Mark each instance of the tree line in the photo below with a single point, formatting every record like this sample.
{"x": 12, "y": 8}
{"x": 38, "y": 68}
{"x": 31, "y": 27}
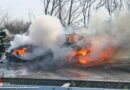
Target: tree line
{"x": 80, "y": 11}
{"x": 69, "y": 12}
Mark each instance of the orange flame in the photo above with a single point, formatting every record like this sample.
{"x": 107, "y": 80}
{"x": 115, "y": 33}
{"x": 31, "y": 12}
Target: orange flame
{"x": 83, "y": 61}
{"x": 20, "y": 52}
{"x": 73, "y": 38}
{"x": 85, "y": 56}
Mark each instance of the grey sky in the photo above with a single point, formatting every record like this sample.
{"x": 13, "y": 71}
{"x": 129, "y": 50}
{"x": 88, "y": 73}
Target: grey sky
{"x": 21, "y": 8}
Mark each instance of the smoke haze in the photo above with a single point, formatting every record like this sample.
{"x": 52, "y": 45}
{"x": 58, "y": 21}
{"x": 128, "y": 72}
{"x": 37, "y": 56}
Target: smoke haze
{"x": 47, "y": 33}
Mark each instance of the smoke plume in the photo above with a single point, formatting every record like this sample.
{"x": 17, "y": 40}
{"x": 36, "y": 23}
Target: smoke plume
{"x": 47, "y": 33}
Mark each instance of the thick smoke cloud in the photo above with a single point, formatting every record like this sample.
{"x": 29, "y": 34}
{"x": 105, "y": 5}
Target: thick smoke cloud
{"x": 44, "y": 31}
{"x": 47, "y": 33}
{"x": 114, "y": 30}
{"x": 121, "y": 29}
{"x": 115, "y": 27}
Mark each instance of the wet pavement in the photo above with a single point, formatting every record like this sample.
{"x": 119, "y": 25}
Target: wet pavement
{"x": 117, "y": 70}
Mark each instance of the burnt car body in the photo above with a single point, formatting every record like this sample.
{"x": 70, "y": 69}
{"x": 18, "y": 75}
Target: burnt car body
{"x": 14, "y": 54}
{"x": 73, "y": 38}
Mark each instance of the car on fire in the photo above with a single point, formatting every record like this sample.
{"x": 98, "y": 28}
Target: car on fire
{"x": 17, "y": 54}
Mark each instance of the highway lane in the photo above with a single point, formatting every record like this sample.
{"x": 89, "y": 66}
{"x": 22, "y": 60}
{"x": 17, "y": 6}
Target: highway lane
{"x": 117, "y": 70}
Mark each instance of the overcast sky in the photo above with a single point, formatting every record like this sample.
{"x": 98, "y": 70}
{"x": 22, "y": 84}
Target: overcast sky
{"x": 21, "y": 8}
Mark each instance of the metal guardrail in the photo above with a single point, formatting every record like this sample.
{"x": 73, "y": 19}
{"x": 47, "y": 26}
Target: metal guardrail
{"x": 32, "y": 87}
{"x": 74, "y": 83}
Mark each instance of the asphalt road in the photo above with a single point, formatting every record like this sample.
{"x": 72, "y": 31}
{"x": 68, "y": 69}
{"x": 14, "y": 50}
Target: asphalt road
{"x": 117, "y": 70}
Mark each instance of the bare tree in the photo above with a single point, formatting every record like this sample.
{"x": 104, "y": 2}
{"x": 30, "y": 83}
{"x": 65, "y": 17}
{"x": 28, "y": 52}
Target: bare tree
{"x": 70, "y": 12}
{"x": 3, "y": 18}
{"x": 86, "y": 10}
{"x": 46, "y": 5}
{"x": 110, "y": 5}
{"x": 54, "y": 6}
{"x": 60, "y": 10}
{"x": 13, "y": 25}
{"x": 17, "y": 26}
{"x": 73, "y": 11}
{"x": 50, "y": 6}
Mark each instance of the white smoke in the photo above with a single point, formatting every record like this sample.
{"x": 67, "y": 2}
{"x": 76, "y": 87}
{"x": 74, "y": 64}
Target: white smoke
{"x": 19, "y": 40}
{"x": 47, "y": 34}
{"x": 45, "y": 31}
{"x": 116, "y": 28}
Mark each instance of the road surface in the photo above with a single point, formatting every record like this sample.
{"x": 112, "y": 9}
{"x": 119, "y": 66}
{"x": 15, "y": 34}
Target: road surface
{"x": 117, "y": 70}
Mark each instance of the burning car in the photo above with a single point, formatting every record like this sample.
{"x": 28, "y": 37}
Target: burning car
{"x": 19, "y": 54}
{"x": 25, "y": 54}
{"x": 85, "y": 55}
{"x": 73, "y": 38}
{"x": 93, "y": 54}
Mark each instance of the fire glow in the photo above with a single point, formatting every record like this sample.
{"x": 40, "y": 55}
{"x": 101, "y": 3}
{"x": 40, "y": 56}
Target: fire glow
{"x": 92, "y": 54}
{"x": 20, "y": 52}
{"x": 73, "y": 38}
{"x": 95, "y": 51}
